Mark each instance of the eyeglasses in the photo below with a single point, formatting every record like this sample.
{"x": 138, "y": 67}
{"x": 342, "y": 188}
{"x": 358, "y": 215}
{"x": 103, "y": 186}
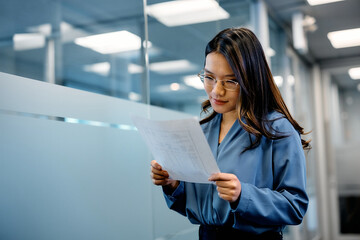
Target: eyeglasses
{"x": 210, "y": 81}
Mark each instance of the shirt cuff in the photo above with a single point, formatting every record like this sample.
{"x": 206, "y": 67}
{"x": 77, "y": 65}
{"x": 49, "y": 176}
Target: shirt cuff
{"x": 244, "y": 200}
{"x": 172, "y": 196}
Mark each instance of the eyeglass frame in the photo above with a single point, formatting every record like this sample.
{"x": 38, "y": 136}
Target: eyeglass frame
{"x": 201, "y": 75}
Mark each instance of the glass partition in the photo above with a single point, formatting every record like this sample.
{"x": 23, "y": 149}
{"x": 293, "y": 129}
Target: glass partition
{"x": 276, "y": 54}
{"x": 90, "y": 45}
{"x": 304, "y": 112}
{"x": 344, "y": 96}
{"x": 75, "y": 167}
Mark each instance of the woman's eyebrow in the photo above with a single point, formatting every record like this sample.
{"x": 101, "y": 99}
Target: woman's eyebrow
{"x": 228, "y": 75}
{"x": 208, "y": 71}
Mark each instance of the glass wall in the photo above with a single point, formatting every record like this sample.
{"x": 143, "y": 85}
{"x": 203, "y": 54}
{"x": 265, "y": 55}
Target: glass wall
{"x": 293, "y": 79}
{"x": 127, "y": 50}
{"x": 345, "y": 141}
{"x": 89, "y": 45}
{"x": 73, "y": 166}
{"x": 100, "y": 46}
{"x": 276, "y": 54}
{"x": 304, "y": 114}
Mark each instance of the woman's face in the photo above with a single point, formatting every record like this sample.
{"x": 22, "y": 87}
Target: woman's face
{"x": 222, "y": 100}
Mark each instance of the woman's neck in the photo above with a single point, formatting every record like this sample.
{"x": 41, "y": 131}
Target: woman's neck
{"x": 227, "y": 121}
{"x": 229, "y": 118}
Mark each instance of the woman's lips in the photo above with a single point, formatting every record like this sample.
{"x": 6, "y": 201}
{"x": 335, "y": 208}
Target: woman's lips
{"x": 219, "y": 102}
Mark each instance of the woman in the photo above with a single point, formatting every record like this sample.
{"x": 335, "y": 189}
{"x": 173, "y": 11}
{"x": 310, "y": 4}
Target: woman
{"x": 256, "y": 143}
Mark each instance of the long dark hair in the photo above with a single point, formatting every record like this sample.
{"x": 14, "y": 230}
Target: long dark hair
{"x": 258, "y": 94}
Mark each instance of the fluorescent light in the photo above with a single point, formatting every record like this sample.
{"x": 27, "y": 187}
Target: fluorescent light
{"x": 345, "y": 38}
{"x": 193, "y": 81}
{"x": 166, "y": 88}
{"x": 300, "y": 41}
{"x": 270, "y": 52}
{"x": 102, "y": 68}
{"x": 27, "y": 41}
{"x": 134, "y": 96}
{"x": 134, "y": 68}
{"x": 112, "y": 42}
{"x": 184, "y": 12}
{"x": 169, "y": 67}
{"x": 291, "y": 80}
{"x": 67, "y": 32}
{"x": 354, "y": 73}
{"x": 174, "y": 87}
{"x": 278, "y": 81}
{"x": 318, "y": 2}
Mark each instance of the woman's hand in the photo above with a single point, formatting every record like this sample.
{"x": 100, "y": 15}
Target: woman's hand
{"x": 160, "y": 177}
{"x": 228, "y": 186}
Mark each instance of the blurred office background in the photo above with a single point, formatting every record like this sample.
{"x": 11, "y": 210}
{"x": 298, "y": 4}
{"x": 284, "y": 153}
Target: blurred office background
{"x": 72, "y": 165}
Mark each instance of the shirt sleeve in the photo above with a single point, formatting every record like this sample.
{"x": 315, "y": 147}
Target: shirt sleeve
{"x": 176, "y": 200}
{"x": 286, "y": 203}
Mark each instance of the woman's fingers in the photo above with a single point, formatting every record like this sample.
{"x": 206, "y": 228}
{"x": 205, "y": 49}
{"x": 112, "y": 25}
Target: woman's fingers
{"x": 156, "y": 169}
{"x": 160, "y": 182}
{"x": 228, "y": 186}
{"x": 159, "y": 179}
{"x": 226, "y": 191}
{"x": 159, "y": 176}
{"x": 158, "y": 172}
{"x": 222, "y": 177}
{"x": 155, "y": 165}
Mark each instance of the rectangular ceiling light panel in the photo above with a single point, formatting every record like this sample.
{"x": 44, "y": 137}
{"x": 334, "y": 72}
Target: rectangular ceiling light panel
{"x": 102, "y": 68}
{"x": 345, "y": 38}
{"x": 28, "y": 41}
{"x": 112, "y": 42}
{"x": 185, "y": 12}
{"x": 171, "y": 67}
{"x": 354, "y": 73}
{"x": 318, "y": 2}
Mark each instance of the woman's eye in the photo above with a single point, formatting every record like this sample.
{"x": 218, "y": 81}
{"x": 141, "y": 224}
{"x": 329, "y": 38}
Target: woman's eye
{"x": 231, "y": 82}
{"x": 209, "y": 78}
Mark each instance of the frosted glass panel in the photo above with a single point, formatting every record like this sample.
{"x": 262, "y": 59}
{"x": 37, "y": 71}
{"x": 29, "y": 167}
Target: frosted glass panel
{"x": 65, "y": 180}
{"x": 30, "y": 96}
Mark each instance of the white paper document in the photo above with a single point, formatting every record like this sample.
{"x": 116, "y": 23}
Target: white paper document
{"x": 180, "y": 147}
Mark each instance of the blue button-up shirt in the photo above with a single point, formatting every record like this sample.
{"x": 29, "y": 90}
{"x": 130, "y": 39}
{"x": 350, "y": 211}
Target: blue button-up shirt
{"x": 272, "y": 176}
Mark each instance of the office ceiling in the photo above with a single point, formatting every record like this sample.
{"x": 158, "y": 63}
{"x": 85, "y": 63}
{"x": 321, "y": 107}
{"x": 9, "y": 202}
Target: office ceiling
{"x": 93, "y": 16}
{"x": 329, "y": 17}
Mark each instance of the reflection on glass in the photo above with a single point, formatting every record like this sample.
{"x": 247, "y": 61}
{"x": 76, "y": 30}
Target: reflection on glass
{"x": 112, "y": 42}
{"x": 90, "y": 46}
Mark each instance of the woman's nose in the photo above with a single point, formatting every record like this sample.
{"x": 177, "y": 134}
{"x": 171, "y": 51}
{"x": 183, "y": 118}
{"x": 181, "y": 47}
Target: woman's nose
{"x": 219, "y": 88}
